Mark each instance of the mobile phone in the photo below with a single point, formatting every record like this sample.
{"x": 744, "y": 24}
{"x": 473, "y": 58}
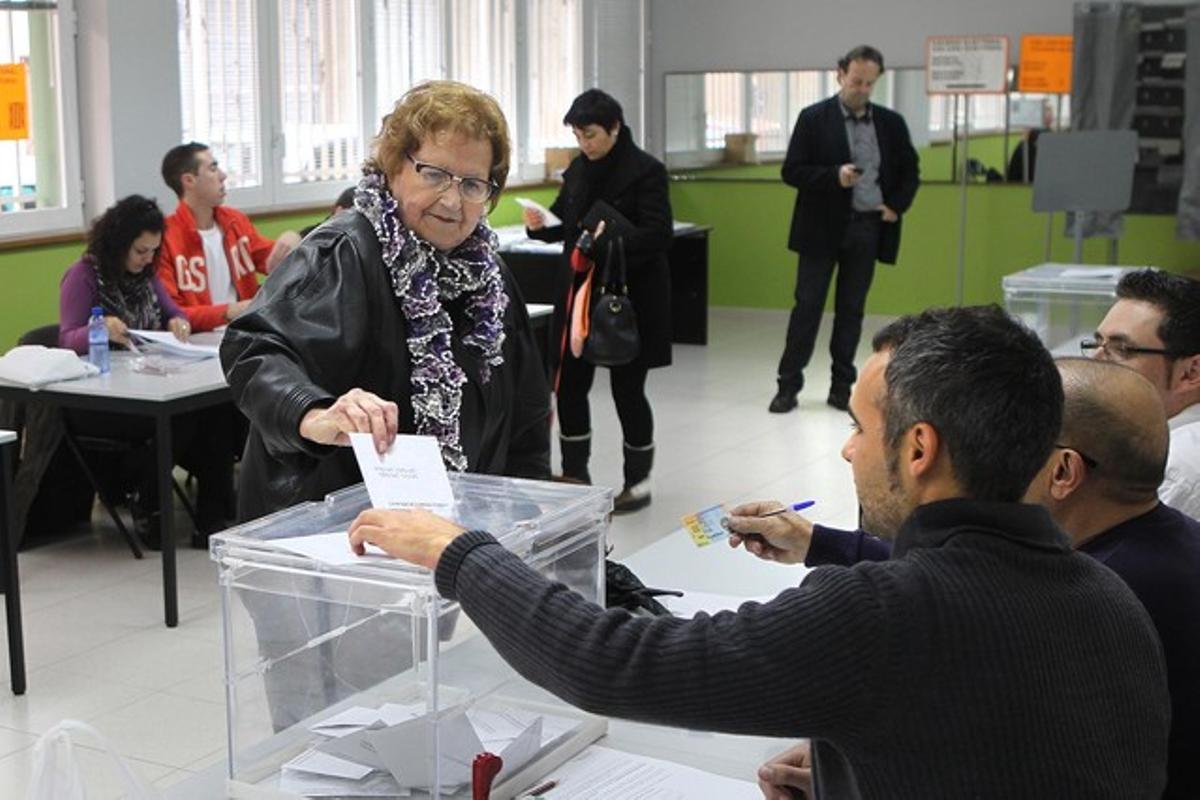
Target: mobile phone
{"x": 856, "y": 169}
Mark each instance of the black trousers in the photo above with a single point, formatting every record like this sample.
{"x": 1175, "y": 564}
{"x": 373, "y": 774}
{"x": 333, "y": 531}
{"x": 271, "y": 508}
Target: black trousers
{"x": 628, "y": 393}
{"x": 855, "y": 264}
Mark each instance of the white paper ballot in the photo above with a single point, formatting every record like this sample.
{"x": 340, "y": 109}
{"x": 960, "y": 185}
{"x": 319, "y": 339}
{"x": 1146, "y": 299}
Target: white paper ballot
{"x": 330, "y": 548}
{"x": 355, "y": 747}
{"x": 350, "y": 720}
{"x": 305, "y": 784}
{"x": 406, "y": 750}
{"x": 599, "y": 773}
{"x": 165, "y": 342}
{"x": 410, "y": 474}
{"x": 533, "y": 205}
{"x": 318, "y": 763}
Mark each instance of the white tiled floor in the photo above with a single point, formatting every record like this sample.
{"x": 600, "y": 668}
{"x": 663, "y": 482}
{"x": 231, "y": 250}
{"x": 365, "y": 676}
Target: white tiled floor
{"x": 97, "y": 649}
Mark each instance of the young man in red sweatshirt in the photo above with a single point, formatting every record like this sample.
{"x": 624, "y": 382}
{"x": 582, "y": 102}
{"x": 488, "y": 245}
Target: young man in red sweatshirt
{"x": 209, "y": 251}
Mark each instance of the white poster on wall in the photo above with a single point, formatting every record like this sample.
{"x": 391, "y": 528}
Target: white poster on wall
{"x": 966, "y": 64}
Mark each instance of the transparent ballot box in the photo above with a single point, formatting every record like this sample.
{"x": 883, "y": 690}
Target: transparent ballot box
{"x": 351, "y": 677}
{"x": 1062, "y": 303}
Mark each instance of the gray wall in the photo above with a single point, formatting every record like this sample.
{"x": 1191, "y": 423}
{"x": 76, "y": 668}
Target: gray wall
{"x": 704, "y": 35}
{"x": 130, "y": 111}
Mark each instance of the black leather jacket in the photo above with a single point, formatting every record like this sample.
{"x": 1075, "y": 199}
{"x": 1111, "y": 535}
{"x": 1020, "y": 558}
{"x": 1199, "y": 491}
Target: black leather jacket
{"x": 327, "y": 321}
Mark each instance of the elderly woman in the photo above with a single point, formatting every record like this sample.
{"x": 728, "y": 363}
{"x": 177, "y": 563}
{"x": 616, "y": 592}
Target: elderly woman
{"x": 612, "y": 170}
{"x": 396, "y": 317}
{"x": 117, "y": 274}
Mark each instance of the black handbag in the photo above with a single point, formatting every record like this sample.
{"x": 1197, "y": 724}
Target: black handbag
{"x": 612, "y": 338}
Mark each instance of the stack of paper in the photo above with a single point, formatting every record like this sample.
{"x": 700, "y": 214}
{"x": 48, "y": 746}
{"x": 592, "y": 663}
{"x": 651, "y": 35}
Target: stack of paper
{"x": 389, "y": 749}
{"x": 165, "y": 342}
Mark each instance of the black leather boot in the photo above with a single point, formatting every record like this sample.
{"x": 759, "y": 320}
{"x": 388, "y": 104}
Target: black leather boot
{"x": 636, "y": 493}
{"x": 576, "y": 450}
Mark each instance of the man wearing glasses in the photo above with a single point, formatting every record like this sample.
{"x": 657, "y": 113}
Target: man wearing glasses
{"x": 1154, "y": 328}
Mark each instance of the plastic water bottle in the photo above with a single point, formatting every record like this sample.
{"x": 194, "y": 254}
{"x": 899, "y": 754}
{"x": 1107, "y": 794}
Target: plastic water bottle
{"x": 98, "y": 340}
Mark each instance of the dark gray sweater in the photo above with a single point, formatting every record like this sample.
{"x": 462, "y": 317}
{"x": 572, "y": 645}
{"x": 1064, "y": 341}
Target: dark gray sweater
{"x": 986, "y": 659}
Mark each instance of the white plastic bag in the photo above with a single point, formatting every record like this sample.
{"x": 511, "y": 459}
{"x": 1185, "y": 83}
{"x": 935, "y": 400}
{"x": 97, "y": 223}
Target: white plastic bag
{"x": 56, "y": 774}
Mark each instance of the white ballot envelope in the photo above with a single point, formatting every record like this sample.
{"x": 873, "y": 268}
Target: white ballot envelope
{"x": 410, "y": 474}
{"x": 533, "y": 205}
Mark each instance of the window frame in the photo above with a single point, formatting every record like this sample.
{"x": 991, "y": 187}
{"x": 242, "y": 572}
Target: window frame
{"x": 68, "y": 218}
{"x": 272, "y": 193}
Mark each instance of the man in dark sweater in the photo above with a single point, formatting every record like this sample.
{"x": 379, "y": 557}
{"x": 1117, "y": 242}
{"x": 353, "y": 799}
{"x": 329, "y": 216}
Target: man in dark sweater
{"x": 1100, "y": 484}
{"x": 985, "y": 659}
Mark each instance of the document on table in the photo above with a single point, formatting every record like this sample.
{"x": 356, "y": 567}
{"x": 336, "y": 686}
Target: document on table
{"x": 410, "y": 474}
{"x": 550, "y": 217}
{"x": 165, "y": 342}
{"x": 599, "y": 773}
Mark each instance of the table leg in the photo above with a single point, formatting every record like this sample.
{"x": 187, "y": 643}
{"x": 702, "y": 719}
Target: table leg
{"x": 11, "y": 581}
{"x": 166, "y": 515}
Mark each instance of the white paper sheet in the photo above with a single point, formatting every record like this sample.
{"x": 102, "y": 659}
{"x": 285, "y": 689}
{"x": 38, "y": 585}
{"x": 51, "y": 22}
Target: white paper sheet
{"x": 410, "y": 474}
{"x": 551, "y": 218}
{"x": 165, "y": 342}
{"x": 406, "y": 750}
{"x": 303, "y": 784}
{"x": 318, "y": 763}
{"x": 330, "y": 548}
{"x": 600, "y": 773}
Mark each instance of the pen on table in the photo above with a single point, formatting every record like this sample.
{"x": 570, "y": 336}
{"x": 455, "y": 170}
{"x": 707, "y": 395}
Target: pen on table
{"x": 541, "y": 789}
{"x": 803, "y": 504}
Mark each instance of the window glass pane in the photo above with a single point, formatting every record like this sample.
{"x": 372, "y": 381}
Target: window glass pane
{"x": 555, "y": 72}
{"x": 219, "y": 84}
{"x": 318, "y": 86}
{"x": 483, "y": 52}
{"x": 769, "y": 116}
{"x": 31, "y": 136}
{"x": 409, "y": 37}
{"x": 724, "y": 99}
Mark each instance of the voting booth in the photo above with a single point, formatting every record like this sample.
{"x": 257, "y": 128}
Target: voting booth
{"x": 351, "y": 676}
{"x": 1062, "y": 303}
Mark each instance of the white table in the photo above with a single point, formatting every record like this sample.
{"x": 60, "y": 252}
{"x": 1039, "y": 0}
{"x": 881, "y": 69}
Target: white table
{"x": 196, "y": 385}
{"x": 672, "y": 562}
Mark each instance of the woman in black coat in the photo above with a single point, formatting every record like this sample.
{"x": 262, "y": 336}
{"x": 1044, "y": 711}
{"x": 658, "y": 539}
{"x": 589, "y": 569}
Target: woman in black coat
{"x": 614, "y": 170}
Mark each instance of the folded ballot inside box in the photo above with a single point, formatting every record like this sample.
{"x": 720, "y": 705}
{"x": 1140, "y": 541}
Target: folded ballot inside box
{"x": 351, "y": 676}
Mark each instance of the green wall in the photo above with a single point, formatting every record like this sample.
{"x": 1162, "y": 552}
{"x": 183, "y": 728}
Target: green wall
{"x": 749, "y": 263}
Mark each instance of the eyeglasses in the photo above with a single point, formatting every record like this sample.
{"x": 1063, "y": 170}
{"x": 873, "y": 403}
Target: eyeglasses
{"x": 472, "y": 190}
{"x": 1091, "y": 462}
{"x": 1120, "y": 351}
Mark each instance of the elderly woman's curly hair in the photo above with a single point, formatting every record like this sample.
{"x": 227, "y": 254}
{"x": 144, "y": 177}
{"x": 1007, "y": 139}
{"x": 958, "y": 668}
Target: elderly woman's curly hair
{"x": 114, "y": 231}
{"x": 434, "y": 107}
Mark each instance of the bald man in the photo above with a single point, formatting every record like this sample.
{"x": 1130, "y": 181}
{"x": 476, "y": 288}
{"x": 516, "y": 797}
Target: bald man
{"x": 1101, "y": 486}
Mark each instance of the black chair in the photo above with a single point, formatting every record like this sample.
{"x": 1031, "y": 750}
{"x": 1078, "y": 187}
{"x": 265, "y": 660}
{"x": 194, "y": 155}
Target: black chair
{"x": 80, "y": 443}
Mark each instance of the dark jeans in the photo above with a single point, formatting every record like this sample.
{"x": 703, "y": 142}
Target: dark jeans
{"x": 628, "y": 393}
{"x": 855, "y": 262}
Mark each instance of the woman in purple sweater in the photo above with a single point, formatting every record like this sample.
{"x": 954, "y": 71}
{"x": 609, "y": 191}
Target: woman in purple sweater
{"x": 117, "y": 274}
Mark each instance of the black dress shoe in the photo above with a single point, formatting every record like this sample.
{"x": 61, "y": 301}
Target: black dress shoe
{"x": 839, "y": 397}
{"x": 783, "y": 402}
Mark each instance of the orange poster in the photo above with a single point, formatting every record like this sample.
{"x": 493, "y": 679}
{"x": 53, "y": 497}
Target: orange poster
{"x": 1045, "y": 66}
{"x": 14, "y": 102}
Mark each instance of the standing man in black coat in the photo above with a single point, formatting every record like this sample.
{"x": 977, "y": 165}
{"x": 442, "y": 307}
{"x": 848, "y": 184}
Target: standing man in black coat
{"x": 614, "y": 181}
{"x": 855, "y": 172}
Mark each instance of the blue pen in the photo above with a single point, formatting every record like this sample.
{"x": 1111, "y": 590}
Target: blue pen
{"x": 793, "y": 507}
